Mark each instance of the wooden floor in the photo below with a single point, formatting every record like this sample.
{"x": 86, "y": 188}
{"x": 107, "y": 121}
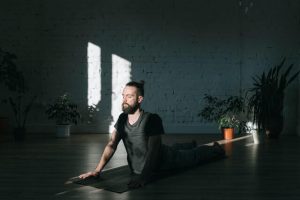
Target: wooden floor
{"x": 39, "y": 167}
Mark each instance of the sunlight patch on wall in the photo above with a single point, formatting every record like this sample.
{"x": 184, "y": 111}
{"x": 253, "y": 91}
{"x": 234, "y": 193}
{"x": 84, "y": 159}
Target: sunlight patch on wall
{"x": 121, "y": 74}
{"x": 94, "y": 74}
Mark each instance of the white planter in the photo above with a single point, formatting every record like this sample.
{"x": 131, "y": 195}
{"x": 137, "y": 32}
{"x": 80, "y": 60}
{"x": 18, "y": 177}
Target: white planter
{"x": 252, "y": 129}
{"x": 63, "y": 131}
{"x": 255, "y": 136}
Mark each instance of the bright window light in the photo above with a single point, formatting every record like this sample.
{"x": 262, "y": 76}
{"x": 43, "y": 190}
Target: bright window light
{"x": 121, "y": 74}
{"x": 94, "y": 74}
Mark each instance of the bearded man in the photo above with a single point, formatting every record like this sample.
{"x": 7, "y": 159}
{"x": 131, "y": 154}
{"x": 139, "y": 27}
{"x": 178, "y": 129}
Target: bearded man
{"x": 141, "y": 133}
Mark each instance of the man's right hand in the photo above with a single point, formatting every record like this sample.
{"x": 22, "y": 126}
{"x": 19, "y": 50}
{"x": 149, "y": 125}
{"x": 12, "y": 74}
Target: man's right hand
{"x": 89, "y": 174}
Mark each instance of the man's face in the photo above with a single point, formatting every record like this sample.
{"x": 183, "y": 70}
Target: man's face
{"x": 131, "y": 100}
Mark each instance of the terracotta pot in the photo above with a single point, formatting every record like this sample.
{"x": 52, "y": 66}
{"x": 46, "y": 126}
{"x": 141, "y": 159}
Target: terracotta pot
{"x": 228, "y": 133}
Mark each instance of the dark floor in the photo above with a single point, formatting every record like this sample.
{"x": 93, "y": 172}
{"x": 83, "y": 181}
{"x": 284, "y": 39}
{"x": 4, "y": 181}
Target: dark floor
{"x": 39, "y": 167}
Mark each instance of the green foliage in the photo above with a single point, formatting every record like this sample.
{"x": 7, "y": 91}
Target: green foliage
{"x": 91, "y": 112}
{"x": 227, "y": 112}
{"x": 14, "y": 81}
{"x": 63, "y": 111}
{"x": 267, "y": 96}
{"x": 216, "y": 107}
{"x": 229, "y": 120}
{"x": 10, "y": 76}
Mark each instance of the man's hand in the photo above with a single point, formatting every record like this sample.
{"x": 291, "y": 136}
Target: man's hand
{"x": 136, "y": 183}
{"x": 89, "y": 174}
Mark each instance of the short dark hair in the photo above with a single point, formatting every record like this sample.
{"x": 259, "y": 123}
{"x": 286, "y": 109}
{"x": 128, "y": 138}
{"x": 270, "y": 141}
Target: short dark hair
{"x": 139, "y": 86}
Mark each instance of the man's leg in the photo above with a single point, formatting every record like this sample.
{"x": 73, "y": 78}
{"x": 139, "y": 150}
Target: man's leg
{"x": 178, "y": 159}
{"x": 184, "y": 146}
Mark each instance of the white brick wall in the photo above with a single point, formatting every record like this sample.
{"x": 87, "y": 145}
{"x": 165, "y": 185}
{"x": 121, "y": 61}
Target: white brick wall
{"x": 182, "y": 49}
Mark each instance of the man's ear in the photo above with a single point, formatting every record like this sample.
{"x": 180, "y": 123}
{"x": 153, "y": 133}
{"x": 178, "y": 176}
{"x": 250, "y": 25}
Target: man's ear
{"x": 140, "y": 99}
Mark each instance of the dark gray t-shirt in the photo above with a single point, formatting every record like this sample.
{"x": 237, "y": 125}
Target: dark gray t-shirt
{"x": 135, "y": 137}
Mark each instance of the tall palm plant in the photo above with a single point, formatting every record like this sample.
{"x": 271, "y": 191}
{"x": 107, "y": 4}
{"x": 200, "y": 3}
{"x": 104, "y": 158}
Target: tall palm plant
{"x": 267, "y": 98}
{"x": 13, "y": 79}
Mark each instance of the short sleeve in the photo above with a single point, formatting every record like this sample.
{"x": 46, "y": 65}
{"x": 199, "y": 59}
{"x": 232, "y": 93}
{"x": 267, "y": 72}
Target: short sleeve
{"x": 119, "y": 125}
{"x": 154, "y": 125}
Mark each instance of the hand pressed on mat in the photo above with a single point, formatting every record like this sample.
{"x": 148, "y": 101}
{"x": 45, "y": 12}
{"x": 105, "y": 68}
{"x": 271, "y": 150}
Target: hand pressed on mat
{"x": 89, "y": 174}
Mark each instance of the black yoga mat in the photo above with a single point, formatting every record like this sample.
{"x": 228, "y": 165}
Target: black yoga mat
{"x": 114, "y": 180}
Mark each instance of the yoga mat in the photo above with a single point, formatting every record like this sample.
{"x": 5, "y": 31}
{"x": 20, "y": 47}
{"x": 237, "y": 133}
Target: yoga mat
{"x": 114, "y": 180}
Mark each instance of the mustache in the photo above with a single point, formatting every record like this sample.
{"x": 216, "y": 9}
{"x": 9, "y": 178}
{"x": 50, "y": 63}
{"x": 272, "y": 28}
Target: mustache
{"x": 125, "y": 104}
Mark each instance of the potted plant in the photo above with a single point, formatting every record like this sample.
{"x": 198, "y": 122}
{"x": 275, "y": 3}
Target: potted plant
{"x": 266, "y": 101}
{"x": 20, "y": 110}
{"x": 65, "y": 113}
{"x": 227, "y": 123}
{"x": 14, "y": 81}
{"x": 224, "y": 111}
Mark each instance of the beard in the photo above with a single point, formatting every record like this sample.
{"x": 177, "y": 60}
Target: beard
{"x": 128, "y": 109}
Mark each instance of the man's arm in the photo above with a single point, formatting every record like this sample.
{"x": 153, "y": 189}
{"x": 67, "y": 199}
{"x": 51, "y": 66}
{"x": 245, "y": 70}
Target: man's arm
{"x": 106, "y": 155}
{"x": 151, "y": 164}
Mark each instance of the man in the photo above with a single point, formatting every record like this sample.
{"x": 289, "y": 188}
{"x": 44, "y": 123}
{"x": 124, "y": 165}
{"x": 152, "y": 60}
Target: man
{"x": 141, "y": 134}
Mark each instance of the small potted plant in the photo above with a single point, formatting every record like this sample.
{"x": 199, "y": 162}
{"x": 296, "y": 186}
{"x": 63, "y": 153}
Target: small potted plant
{"x": 65, "y": 113}
{"x": 227, "y": 124}
{"x": 224, "y": 111}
